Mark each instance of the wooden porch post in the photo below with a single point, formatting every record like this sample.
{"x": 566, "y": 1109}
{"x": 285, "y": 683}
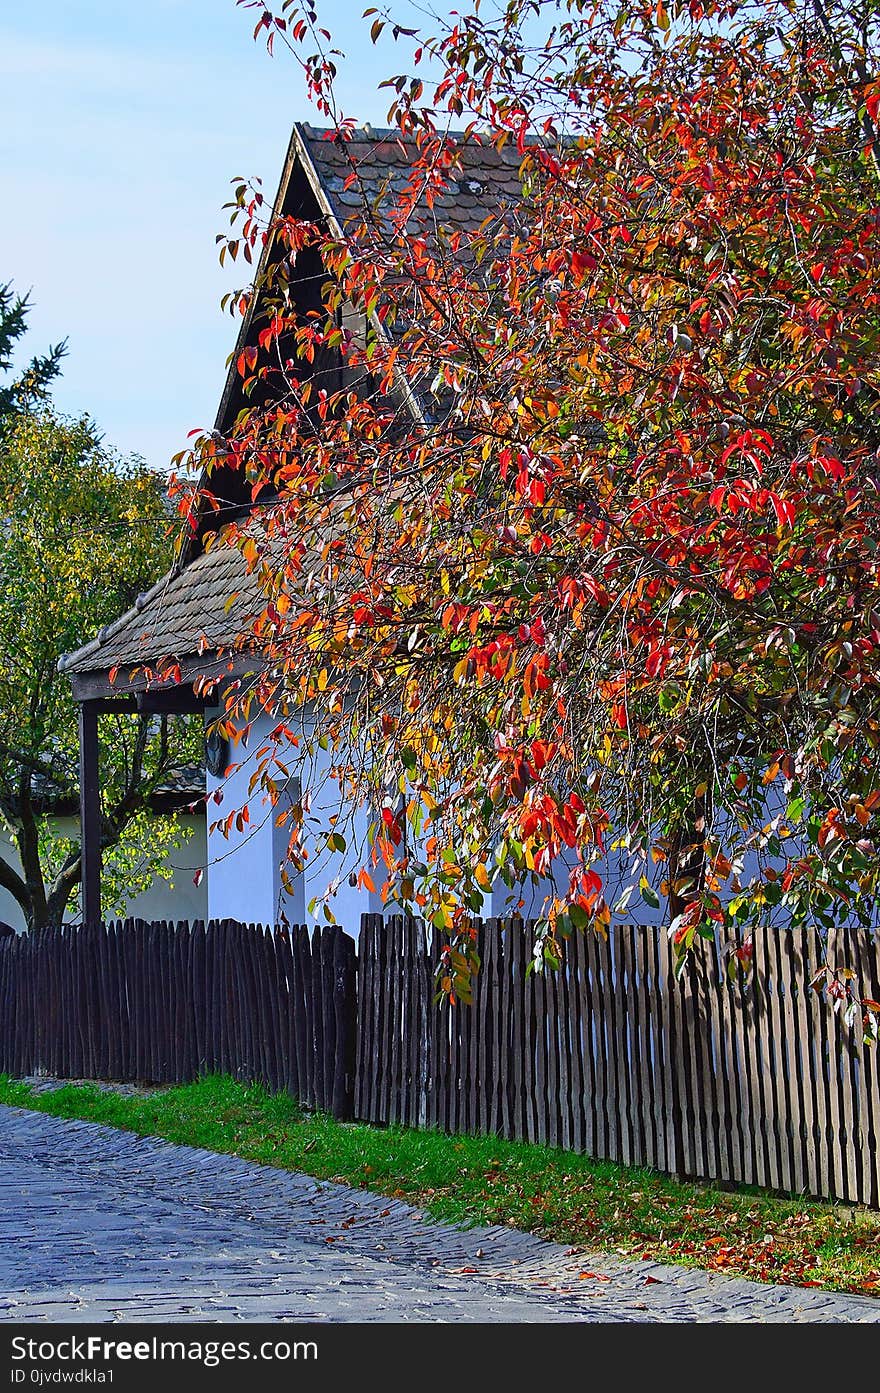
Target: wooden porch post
{"x": 89, "y": 812}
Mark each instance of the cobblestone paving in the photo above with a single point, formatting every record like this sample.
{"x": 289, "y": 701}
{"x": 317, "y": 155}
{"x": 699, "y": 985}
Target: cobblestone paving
{"x": 100, "y": 1225}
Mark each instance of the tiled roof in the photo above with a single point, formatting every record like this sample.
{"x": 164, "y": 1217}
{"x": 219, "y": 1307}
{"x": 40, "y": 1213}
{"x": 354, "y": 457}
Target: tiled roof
{"x": 481, "y": 186}
{"x": 483, "y": 180}
{"x": 182, "y": 790}
{"x": 180, "y": 615}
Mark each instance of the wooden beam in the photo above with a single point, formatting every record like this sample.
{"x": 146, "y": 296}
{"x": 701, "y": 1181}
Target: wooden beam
{"x": 96, "y": 685}
{"x": 89, "y": 812}
{"x": 174, "y": 701}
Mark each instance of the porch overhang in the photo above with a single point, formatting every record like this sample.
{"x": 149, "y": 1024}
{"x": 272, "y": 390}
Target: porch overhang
{"x": 179, "y": 648}
{"x": 96, "y": 695}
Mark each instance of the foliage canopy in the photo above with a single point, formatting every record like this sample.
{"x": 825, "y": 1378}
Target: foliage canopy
{"x": 585, "y": 567}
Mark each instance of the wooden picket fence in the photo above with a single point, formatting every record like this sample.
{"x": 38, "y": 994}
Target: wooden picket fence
{"x": 752, "y": 1080}
{"x": 166, "y": 1003}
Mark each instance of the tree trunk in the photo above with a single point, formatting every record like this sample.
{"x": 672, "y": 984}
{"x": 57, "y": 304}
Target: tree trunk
{"x": 63, "y": 887}
{"x": 687, "y": 858}
{"x": 27, "y": 838}
{"x": 11, "y": 880}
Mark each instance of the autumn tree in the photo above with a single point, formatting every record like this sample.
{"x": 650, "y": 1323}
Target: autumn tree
{"x": 584, "y": 539}
{"x": 81, "y": 533}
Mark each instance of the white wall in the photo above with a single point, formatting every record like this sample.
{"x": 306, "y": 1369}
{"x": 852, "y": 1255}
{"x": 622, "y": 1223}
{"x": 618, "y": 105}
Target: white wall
{"x": 244, "y": 868}
{"x": 178, "y": 898}
{"x": 243, "y": 872}
{"x": 243, "y": 880}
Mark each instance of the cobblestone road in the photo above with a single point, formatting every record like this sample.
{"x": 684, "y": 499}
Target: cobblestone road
{"x": 100, "y": 1225}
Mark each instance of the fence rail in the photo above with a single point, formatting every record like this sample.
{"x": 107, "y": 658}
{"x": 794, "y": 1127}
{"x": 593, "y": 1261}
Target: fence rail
{"x": 165, "y": 1003}
{"x": 749, "y": 1081}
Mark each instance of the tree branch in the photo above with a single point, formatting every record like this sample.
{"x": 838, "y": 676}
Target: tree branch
{"x": 10, "y": 880}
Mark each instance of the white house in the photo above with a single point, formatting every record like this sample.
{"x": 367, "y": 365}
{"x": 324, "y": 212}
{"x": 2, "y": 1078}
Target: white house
{"x": 186, "y": 621}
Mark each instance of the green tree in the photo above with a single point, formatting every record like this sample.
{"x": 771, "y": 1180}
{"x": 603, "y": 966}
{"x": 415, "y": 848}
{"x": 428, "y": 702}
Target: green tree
{"x": 33, "y": 383}
{"x": 81, "y": 533}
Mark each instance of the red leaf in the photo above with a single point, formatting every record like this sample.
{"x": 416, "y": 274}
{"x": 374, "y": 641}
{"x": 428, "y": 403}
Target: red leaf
{"x": 783, "y": 509}
{"x": 581, "y": 263}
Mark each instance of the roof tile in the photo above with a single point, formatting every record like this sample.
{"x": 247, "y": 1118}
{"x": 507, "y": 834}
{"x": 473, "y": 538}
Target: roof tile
{"x": 181, "y": 612}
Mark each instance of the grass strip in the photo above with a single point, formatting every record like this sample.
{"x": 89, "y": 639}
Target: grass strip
{"x": 465, "y": 1180}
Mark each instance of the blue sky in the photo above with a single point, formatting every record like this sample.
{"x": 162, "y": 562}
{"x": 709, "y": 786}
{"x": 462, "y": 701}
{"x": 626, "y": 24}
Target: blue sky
{"x": 121, "y": 125}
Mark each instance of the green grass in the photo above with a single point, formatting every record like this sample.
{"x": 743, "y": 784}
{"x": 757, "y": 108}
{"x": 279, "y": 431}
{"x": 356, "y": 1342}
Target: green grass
{"x": 472, "y": 1180}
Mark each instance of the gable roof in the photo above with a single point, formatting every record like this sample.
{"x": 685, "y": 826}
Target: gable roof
{"x": 187, "y": 617}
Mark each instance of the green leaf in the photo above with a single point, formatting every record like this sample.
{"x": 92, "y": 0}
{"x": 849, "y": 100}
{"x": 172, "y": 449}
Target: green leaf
{"x": 579, "y": 916}
{"x": 648, "y": 893}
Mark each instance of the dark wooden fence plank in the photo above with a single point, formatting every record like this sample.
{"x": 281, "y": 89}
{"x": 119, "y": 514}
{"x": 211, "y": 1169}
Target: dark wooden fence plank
{"x": 472, "y": 1020}
{"x": 518, "y": 1065}
{"x": 421, "y": 988}
{"x": 493, "y": 1045}
{"x": 641, "y": 1042}
{"x": 595, "y": 1013}
{"x": 506, "y": 1124}
{"x": 776, "y": 1017}
{"x": 438, "y": 1029}
{"x": 580, "y": 1102}
{"x": 284, "y": 970}
{"x": 594, "y": 1141}
{"x": 706, "y": 1043}
{"x": 536, "y": 1093}
{"x": 366, "y": 1021}
{"x": 768, "y": 1170}
{"x": 838, "y": 1160}
{"x": 399, "y": 968}
{"x": 457, "y": 1047}
{"x": 298, "y": 937}
{"x": 868, "y": 984}
{"x": 793, "y": 1084}
{"x": 799, "y": 970}
{"x": 729, "y": 1066}
{"x": 621, "y": 1004}
{"x": 562, "y": 1039}
{"x": 850, "y": 1045}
